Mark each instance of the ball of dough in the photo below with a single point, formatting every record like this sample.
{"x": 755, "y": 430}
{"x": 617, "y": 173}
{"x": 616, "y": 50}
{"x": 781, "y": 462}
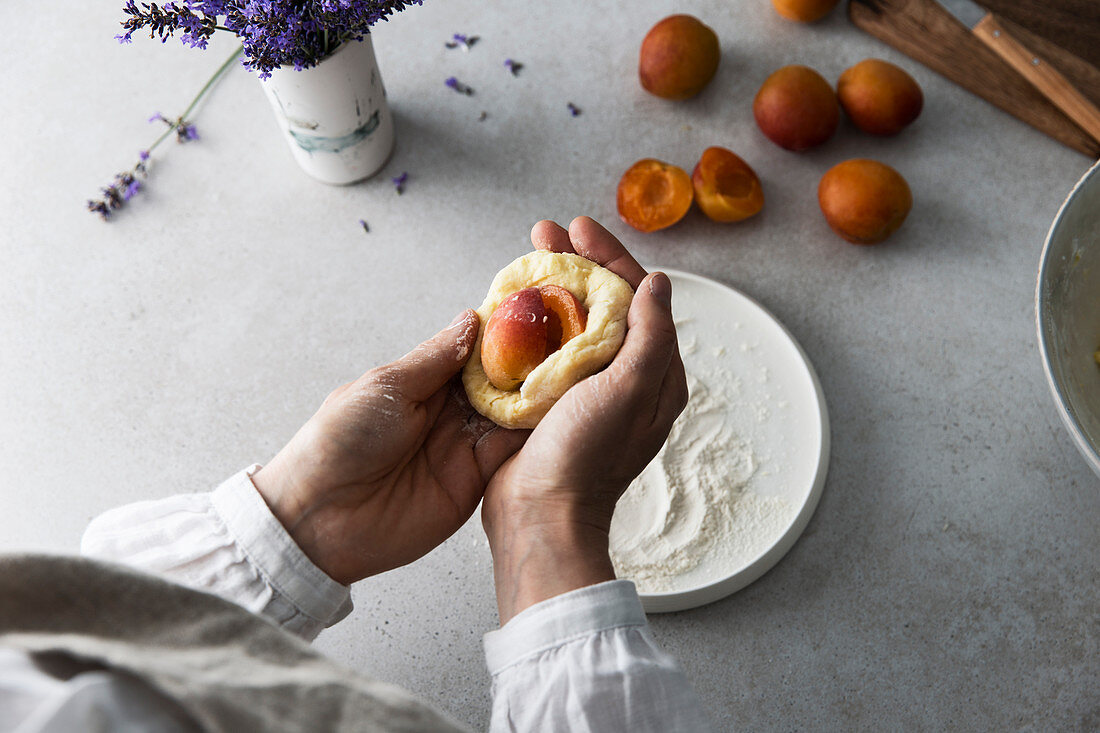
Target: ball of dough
{"x": 604, "y": 294}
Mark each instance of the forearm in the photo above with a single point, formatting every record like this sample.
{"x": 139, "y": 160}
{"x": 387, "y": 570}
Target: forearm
{"x": 535, "y": 561}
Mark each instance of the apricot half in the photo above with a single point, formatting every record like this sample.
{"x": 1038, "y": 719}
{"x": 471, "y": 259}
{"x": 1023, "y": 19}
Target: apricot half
{"x": 527, "y": 327}
{"x": 864, "y": 201}
{"x": 805, "y": 11}
{"x": 796, "y": 108}
{"x": 879, "y": 97}
{"x": 726, "y": 188}
{"x": 653, "y": 195}
{"x": 678, "y": 58}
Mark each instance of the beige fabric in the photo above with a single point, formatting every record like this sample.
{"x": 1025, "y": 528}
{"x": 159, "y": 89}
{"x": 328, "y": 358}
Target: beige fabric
{"x": 227, "y": 668}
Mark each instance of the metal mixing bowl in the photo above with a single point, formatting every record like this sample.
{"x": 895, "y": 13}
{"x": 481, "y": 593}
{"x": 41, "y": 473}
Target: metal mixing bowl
{"x": 1067, "y": 309}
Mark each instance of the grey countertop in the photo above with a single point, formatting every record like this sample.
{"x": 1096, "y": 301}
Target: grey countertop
{"x": 949, "y": 576}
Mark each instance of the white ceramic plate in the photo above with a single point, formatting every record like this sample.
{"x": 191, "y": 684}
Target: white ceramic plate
{"x": 727, "y": 339}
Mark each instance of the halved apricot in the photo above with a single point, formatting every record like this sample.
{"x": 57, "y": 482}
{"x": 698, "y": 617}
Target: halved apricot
{"x": 527, "y": 327}
{"x": 566, "y": 316}
{"x": 653, "y": 195}
{"x": 726, "y": 188}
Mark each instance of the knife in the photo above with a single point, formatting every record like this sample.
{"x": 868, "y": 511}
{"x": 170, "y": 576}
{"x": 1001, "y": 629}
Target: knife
{"x": 1041, "y": 75}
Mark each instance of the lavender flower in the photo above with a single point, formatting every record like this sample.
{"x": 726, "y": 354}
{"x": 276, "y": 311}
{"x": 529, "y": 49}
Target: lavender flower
{"x": 459, "y": 87}
{"x": 399, "y": 182}
{"x": 366, "y": 227}
{"x": 127, "y": 184}
{"x": 573, "y": 109}
{"x": 123, "y": 188}
{"x": 513, "y": 66}
{"x": 462, "y": 41}
{"x": 275, "y": 33}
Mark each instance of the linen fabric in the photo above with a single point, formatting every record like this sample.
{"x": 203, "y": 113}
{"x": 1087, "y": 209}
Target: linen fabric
{"x": 166, "y": 642}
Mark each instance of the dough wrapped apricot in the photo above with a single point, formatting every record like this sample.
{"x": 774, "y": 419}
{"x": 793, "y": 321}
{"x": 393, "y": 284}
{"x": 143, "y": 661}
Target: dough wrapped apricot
{"x": 549, "y": 320}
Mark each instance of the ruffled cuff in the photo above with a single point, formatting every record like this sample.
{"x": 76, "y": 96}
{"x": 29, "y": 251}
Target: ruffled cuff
{"x": 275, "y": 554}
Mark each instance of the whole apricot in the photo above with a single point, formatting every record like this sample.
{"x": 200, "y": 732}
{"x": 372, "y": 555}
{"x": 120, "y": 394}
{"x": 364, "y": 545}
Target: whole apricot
{"x": 806, "y": 11}
{"x": 726, "y": 188}
{"x": 678, "y": 58}
{"x": 879, "y": 97}
{"x": 864, "y": 201}
{"x": 653, "y": 195}
{"x": 796, "y": 108}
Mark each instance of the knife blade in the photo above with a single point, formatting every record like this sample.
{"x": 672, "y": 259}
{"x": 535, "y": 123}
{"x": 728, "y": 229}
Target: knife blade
{"x": 1041, "y": 75}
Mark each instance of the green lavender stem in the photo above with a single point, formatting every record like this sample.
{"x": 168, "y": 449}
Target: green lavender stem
{"x": 202, "y": 92}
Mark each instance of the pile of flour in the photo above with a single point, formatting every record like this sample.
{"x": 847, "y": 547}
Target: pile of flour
{"x": 691, "y": 517}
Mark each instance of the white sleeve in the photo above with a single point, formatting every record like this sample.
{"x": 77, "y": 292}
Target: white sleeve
{"x": 225, "y": 542}
{"x": 585, "y": 661}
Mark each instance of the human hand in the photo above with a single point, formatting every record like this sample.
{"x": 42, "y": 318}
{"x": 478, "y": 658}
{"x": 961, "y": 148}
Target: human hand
{"x": 391, "y": 464}
{"x": 547, "y": 511}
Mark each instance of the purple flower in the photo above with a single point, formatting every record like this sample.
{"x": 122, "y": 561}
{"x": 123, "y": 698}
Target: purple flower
{"x": 275, "y": 33}
{"x": 513, "y": 66}
{"x": 458, "y": 86}
{"x": 399, "y": 182}
{"x": 366, "y": 227}
{"x": 158, "y": 117}
{"x": 186, "y": 132}
{"x": 131, "y": 189}
{"x": 573, "y": 109}
{"x": 143, "y": 155}
{"x": 461, "y": 40}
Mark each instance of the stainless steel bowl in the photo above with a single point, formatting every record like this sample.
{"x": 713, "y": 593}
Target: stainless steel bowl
{"x": 1067, "y": 309}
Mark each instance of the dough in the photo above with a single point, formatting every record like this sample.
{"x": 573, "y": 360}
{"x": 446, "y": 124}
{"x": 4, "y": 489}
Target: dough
{"x": 607, "y": 298}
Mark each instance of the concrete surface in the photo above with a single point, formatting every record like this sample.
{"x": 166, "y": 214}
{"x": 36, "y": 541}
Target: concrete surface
{"x": 949, "y": 577}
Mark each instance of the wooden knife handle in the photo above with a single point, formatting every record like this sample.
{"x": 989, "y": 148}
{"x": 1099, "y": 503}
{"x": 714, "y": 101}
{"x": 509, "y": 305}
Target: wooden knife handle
{"x": 1041, "y": 75}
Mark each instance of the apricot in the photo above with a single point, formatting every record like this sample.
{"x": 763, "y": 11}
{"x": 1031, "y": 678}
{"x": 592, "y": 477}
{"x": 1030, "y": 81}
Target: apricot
{"x": 879, "y": 97}
{"x": 726, "y": 188}
{"x": 678, "y": 58}
{"x": 796, "y": 108}
{"x": 526, "y": 327}
{"x": 864, "y": 201}
{"x": 653, "y": 195}
{"x": 805, "y": 11}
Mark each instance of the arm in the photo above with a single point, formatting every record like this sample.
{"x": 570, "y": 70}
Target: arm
{"x": 391, "y": 465}
{"x": 574, "y": 650}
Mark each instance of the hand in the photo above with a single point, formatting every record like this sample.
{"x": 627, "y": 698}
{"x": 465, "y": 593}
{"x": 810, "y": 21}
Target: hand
{"x": 391, "y": 464}
{"x": 547, "y": 511}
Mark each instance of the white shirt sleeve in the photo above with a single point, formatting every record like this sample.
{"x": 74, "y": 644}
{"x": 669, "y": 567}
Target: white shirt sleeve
{"x": 585, "y": 661}
{"x": 225, "y": 542}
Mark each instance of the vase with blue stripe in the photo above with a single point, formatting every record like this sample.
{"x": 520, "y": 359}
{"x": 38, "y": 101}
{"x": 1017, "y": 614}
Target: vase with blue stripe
{"x": 334, "y": 115}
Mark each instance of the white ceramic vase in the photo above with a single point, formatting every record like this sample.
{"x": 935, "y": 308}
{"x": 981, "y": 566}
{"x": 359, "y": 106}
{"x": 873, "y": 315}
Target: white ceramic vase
{"x": 334, "y": 115}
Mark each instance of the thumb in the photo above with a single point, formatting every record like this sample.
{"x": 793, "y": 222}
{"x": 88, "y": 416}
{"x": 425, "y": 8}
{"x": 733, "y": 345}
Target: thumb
{"x": 650, "y": 343}
{"x": 423, "y": 371}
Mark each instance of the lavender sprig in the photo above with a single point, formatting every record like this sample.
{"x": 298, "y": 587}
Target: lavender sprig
{"x": 275, "y": 33}
{"x": 399, "y": 182}
{"x": 127, "y": 184}
{"x": 513, "y": 66}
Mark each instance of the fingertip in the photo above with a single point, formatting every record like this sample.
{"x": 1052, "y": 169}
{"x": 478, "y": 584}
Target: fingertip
{"x": 549, "y": 236}
{"x": 661, "y": 288}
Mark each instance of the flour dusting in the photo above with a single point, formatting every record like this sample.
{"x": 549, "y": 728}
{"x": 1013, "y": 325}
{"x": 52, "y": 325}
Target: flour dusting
{"x": 692, "y": 515}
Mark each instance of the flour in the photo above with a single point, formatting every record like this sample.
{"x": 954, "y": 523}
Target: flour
{"x": 692, "y": 516}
